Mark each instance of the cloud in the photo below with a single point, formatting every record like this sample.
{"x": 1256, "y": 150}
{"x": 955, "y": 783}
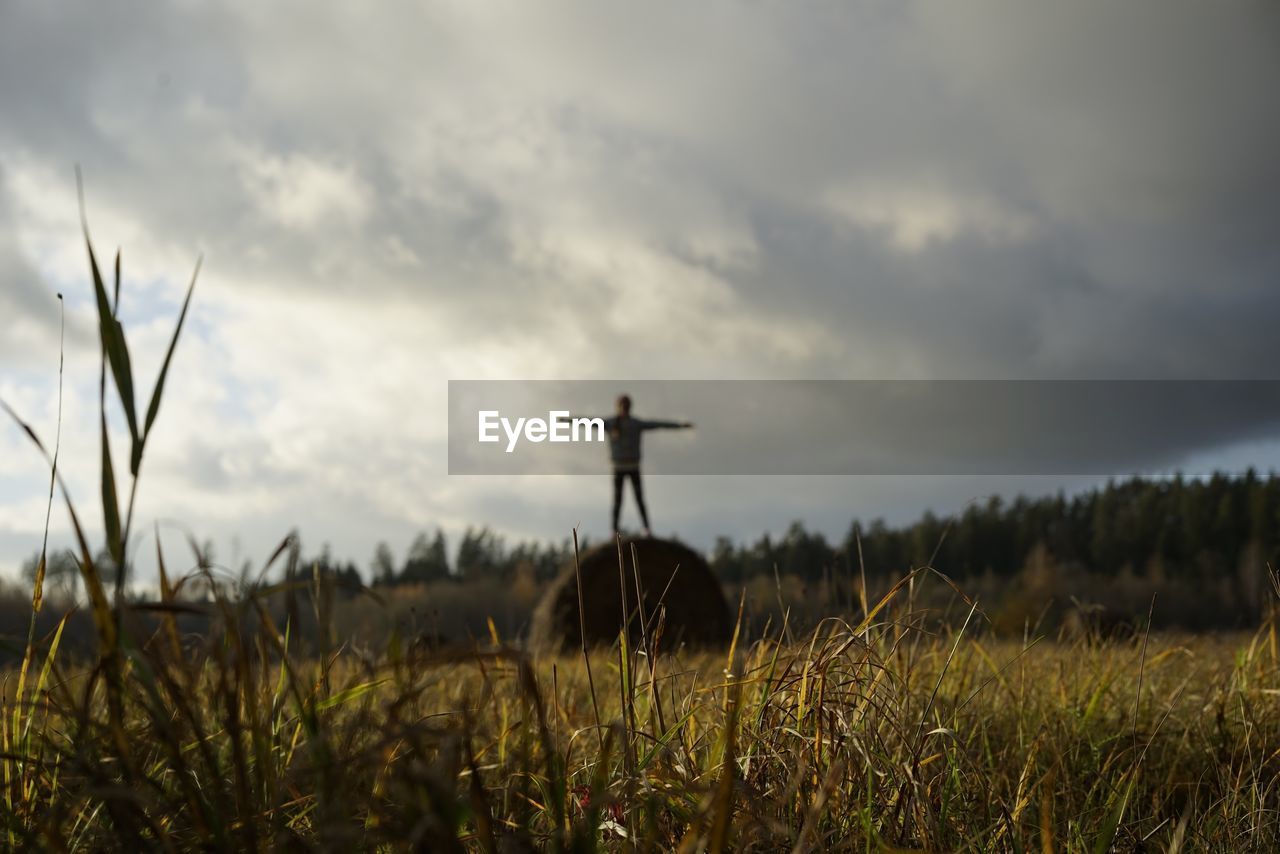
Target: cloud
{"x": 26, "y": 300}
{"x": 916, "y": 217}
{"x": 302, "y": 192}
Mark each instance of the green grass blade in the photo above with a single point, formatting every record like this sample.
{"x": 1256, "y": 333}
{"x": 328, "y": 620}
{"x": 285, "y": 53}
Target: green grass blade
{"x": 113, "y": 344}
{"x": 45, "y": 669}
{"x": 111, "y": 503}
{"x": 346, "y": 696}
{"x": 1107, "y": 833}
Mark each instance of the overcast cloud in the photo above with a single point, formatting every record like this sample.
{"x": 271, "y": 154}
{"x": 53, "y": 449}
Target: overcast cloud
{"x": 389, "y": 196}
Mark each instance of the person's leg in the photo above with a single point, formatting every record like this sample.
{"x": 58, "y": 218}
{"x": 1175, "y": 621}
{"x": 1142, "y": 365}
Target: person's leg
{"x": 644, "y": 513}
{"x": 618, "y": 478}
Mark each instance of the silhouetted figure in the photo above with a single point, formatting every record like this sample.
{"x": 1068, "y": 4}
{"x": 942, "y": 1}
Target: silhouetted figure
{"x": 624, "y": 432}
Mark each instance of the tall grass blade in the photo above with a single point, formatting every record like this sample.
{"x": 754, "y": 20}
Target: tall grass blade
{"x": 113, "y": 343}
{"x": 110, "y": 504}
{"x": 1107, "y": 833}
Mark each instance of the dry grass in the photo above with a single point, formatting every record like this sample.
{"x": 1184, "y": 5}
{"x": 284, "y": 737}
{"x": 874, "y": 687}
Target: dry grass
{"x": 854, "y": 738}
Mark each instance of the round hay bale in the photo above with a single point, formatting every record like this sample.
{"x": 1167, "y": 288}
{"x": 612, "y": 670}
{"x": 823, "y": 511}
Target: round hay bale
{"x": 677, "y": 588}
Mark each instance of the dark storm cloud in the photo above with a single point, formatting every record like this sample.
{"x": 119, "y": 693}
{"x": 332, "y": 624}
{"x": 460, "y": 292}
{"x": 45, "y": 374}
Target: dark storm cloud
{"x": 1008, "y": 191}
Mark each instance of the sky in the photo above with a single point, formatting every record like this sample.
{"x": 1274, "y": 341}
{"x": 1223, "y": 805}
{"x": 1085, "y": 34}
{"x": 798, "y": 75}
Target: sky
{"x": 390, "y": 196}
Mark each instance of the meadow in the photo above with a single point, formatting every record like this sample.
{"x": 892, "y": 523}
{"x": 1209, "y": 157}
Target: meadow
{"x": 897, "y": 726}
{"x": 877, "y": 735}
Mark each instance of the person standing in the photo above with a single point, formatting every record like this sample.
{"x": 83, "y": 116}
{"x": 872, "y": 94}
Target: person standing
{"x": 624, "y": 431}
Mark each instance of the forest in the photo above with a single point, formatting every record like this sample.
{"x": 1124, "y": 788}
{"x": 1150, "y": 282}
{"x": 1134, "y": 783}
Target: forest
{"x": 1176, "y": 527}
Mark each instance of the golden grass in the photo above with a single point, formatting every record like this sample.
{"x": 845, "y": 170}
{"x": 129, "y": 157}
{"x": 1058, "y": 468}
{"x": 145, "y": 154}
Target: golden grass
{"x": 842, "y": 741}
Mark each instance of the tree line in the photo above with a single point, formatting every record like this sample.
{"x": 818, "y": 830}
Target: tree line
{"x": 1179, "y": 527}
{"x": 481, "y": 553}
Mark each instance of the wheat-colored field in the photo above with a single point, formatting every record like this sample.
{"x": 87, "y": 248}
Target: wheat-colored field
{"x": 871, "y": 736}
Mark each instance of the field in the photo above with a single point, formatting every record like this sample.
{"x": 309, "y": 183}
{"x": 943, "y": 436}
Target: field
{"x": 874, "y": 736}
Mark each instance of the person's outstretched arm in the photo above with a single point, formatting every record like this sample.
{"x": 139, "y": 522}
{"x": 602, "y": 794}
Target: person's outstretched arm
{"x": 663, "y": 425}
